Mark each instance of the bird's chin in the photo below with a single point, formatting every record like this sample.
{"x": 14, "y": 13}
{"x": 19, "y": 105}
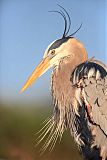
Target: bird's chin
{"x": 54, "y": 63}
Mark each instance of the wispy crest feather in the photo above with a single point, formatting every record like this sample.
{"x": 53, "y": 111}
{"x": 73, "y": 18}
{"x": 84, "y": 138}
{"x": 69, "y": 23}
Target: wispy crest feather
{"x": 67, "y": 22}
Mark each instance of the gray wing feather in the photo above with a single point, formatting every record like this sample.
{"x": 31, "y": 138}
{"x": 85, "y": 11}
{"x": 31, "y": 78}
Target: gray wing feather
{"x": 96, "y": 95}
{"x": 90, "y": 78}
{"x": 94, "y": 82}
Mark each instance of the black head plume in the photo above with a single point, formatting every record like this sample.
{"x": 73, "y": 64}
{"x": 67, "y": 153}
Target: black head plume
{"x": 67, "y": 21}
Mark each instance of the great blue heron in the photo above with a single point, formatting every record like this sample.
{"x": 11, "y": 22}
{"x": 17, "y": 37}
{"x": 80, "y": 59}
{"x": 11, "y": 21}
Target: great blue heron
{"x": 79, "y": 91}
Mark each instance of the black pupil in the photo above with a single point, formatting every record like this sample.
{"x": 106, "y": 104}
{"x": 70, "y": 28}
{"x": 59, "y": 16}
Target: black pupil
{"x": 53, "y": 52}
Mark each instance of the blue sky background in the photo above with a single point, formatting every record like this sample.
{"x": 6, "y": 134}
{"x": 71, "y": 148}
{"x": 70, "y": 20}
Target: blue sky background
{"x": 27, "y": 28}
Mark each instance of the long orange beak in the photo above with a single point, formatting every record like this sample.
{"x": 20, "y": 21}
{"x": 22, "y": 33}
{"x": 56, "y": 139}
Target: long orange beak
{"x": 41, "y": 68}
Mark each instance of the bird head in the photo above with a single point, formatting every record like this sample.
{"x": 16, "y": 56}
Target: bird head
{"x": 57, "y": 50}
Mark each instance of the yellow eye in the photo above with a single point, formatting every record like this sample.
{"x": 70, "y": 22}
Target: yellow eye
{"x": 53, "y": 52}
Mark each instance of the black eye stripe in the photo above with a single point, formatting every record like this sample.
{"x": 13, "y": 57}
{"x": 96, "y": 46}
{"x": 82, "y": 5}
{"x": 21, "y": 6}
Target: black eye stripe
{"x": 57, "y": 43}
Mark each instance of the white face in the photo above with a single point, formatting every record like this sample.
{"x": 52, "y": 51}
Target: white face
{"x": 57, "y": 50}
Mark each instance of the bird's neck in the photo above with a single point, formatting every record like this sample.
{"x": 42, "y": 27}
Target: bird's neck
{"x": 62, "y": 89}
